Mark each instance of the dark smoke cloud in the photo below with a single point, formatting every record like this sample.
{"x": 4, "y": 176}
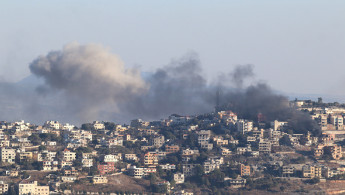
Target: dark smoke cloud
{"x": 177, "y": 88}
{"x": 240, "y": 74}
{"x": 260, "y": 98}
{"x": 82, "y": 83}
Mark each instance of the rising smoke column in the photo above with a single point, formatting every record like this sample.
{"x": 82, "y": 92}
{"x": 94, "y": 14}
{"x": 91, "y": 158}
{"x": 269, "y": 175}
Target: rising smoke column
{"x": 178, "y": 88}
{"x": 260, "y": 98}
{"x": 90, "y": 77}
{"x": 240, "y": 74}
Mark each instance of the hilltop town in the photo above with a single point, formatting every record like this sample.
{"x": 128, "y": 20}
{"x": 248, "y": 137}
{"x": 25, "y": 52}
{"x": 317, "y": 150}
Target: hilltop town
{"x": 217, "y": 152}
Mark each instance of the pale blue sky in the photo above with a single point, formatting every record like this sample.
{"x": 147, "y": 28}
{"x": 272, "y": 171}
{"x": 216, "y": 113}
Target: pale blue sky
{"x": 296, "y": 45}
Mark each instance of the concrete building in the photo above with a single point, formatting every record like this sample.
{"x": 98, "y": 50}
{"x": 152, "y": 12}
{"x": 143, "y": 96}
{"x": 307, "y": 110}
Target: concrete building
{"x": 112, "y": 158}
{"x": 106, "y": 168}
{"x": 53, "y": 125}
{"x": 287, "y": 171}
{"x": 69, "y": 156}
{"x": 264, "y": 146}
{"x": 277, "y": 125}
{"x": 188, "y": 169}
{"x": 87, "y": 162}
{"x": 3, "y": 187}
{"x": 212, "y": 163}
{"x": 32, "y": 188}
{"x": 150, "y": 158}
{"x": 179, "y": 178}
{"x": 244, "y": 126}
{"x": 25, "y": 156}
{"x": 172, "y": 149}
{"x": 244, "y": 170}
{"x": 140, "y": 172}
{"x": 99, "y": 180}
{"x": 8, "y": 155}
{"x": 50, "y": 165}
{"x": 311, "y": 171}
{"x": 337, "y": 121}
{"x": 206, "y": 145}
{"x": 204, "y": 136}
{"x": 98, "y": 125}
{"x": 239, "y": 182}
{"x": 131, "y": 157}
{"x": 168, "y": 167}
{"x": 158, "y": 141}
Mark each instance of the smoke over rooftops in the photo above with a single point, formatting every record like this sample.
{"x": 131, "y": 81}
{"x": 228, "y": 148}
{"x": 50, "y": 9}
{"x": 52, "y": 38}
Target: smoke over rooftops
{"x": 86, "y": 82}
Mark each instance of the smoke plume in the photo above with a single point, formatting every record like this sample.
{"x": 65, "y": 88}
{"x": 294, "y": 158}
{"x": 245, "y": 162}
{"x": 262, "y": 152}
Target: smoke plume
{"x": 176, "y": 88}
{"x": 91, "y": 78}
{"x": 241, "y": 73}
{"x": 82, "y": 83}
{"x": 260, "y": 99}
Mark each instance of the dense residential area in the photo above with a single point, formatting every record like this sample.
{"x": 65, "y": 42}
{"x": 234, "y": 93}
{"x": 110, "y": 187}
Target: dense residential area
{"x": 216, "y": 153}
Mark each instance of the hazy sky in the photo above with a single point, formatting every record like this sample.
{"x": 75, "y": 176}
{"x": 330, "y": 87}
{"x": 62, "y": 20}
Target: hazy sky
{"x": 295, "y": 45}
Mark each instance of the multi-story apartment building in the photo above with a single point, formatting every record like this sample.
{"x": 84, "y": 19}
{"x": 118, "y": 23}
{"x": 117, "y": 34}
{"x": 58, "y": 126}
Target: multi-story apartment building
{"x": 337, "y": 121}
{"x": 244, "y": 126}
{"x": 188, "y": 169}
{"x": 131, "y": 157}
{"x": 310, "y": 171}
{"x": 113, "y": 158}
{"x": 53, "y": 125}
{"x": 3, "y": 187}
{"x": 87, "y": 162}
{"x": 50, "y": 165}
{"x": 150, "y": 158}
{"x": 264, "y": 146}
{"x": 288, "y": 171}
{"x": 158, "y": 141}
{"x": 244, "y": 170}
{"x": 99, "y": 180}
{"x": 106, "y": 168}
{"x": 140, "y": 172}
{"x": 204, "y": 136}
{"x": 69, "y": 156}
{"x": 26, "y": 188}
{"x": 8, "y": 155}
{"x": 172, "y": 149}
{"x": 179, "y": 178}
{"x": 98, "y": 125}
{"x": 24, "y": 156}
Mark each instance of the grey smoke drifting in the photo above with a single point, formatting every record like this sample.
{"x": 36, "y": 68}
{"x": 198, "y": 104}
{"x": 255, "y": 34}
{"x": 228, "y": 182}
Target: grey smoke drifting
{"x": 241, "y": 73}
{"x": 260, "y": 98}
{"x": 82, "y": 83}
{"x": 177, "y": 88}
{"x": 91, "y": 78}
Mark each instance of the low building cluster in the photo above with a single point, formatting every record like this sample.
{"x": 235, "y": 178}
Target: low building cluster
{"x": 176, "y": 150}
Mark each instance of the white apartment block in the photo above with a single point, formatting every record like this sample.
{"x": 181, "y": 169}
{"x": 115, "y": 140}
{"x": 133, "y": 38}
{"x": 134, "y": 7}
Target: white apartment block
{"x": 244, "y": 126}
{"x": 8, "y": 155}
{"x": 98, "y": 126}
{"x": 112, "y": 158}
{"x": 26, "y": 188}
{"x": 87, "y": 162}
{"x": 69, "y": 156}
{"x": 179, "y": 178}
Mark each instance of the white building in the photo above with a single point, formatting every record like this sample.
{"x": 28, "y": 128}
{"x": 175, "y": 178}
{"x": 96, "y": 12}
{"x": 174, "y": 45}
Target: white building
{"x": 8, "y": 155}
{"x": 244, "y": 126}
{"x": 26, "y": 188}
{"x": 179, "y": 178}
